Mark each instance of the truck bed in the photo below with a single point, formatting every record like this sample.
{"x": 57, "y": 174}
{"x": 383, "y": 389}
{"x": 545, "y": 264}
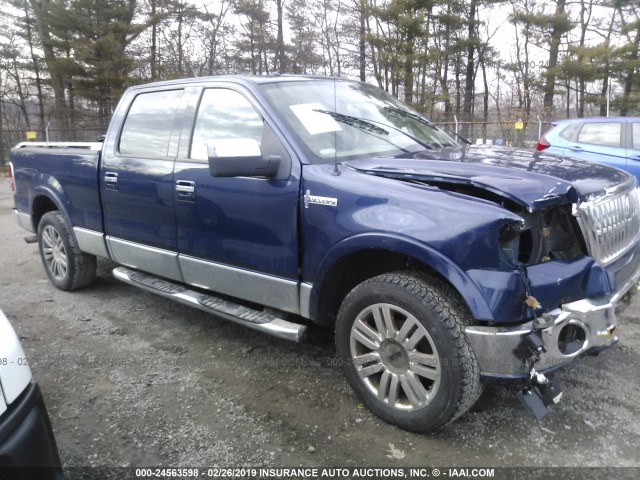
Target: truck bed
{"x": 67, "y": 172}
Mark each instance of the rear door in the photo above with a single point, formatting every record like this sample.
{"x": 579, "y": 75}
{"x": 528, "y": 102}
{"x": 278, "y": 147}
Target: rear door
{"x": 600, "y": 142}
{"x": 237, "y": 235}
{"x": 138, "y": 187}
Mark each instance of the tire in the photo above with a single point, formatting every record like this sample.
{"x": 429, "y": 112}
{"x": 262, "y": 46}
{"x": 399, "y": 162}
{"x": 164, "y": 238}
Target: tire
{"x": 422, "y": 375}
{"x": 66, "y": 266}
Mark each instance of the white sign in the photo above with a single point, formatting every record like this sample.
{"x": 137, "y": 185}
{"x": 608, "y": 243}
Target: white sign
{"x": 315, "y": 122}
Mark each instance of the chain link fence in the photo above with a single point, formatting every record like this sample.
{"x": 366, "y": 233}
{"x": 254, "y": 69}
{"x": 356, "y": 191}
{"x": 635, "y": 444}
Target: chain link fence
{"x": 510, "y": 133}
{"x": 502, "y": 133}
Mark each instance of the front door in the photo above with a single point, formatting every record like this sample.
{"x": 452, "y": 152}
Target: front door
{"x": 238, "y": 235}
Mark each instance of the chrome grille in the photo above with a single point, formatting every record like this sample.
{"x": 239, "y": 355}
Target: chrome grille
{"x": 610, "y": 223}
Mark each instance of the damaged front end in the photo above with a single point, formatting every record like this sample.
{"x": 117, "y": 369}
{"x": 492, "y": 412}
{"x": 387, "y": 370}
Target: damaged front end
{"x": 564, "y": 269}
{"x": 567, "y": 258}
{"x": 603, "y": 232}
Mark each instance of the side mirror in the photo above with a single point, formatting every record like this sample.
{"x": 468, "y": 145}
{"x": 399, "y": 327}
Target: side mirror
{"x": 240, "y": 157}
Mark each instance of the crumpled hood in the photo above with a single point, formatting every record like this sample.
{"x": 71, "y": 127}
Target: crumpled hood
{"x": 533, "y": 179}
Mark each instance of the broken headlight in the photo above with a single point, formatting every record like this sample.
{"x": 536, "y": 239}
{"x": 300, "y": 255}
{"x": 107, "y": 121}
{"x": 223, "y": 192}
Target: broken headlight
{"x": 551, "y": 234}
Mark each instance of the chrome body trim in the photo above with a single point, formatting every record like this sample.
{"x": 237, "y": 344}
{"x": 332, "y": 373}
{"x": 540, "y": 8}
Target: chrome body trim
{"x": 23, "y": 220}
{"x": 270, "y": 324}
{"x": 493, "y": 346}
{"x": 319, "y": 200}
{"x": 142, "y": 257}
{"x": 93, "y": 146}
{"x": 90, "y": 241}
{"x": 305, "y": 299}
{"x": 268, "y": 290}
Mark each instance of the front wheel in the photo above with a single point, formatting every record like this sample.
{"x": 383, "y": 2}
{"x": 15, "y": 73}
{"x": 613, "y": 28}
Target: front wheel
{"x": 67, "y": 267}
{"x": 400, "y": 337}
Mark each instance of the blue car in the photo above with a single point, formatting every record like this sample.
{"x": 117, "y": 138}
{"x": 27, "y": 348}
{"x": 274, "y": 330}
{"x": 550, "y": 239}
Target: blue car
{"x": 613, "y": 141}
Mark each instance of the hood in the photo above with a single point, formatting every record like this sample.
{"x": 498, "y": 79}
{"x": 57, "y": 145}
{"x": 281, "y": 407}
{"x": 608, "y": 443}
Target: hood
{"x": 532, "y": 179}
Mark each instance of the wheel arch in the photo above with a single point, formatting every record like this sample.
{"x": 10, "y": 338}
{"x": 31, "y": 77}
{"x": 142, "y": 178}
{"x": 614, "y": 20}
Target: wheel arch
{"x": 45, "y": 201}
{"x": 358, "y": 258}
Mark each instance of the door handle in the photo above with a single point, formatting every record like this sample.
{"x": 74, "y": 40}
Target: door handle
{"x": 576, "y": 148}
{"x": 186, "y": 190}
{"x": 635, "y": 157}
{"x": 111, "y": 180}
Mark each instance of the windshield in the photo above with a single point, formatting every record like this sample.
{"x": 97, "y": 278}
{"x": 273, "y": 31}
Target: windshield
{"x": 347, "y": 120}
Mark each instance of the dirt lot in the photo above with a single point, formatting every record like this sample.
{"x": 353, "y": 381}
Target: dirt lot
{"x": 132, "y": 379}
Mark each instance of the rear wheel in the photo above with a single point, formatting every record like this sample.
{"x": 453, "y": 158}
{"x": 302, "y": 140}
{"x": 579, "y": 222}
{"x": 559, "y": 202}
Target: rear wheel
{"x": 67, "y": 267}
{"x": 400, "y": 337}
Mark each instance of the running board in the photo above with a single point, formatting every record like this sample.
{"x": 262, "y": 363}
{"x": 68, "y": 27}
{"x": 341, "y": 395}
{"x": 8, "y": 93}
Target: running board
{"x": 246, "y": 316}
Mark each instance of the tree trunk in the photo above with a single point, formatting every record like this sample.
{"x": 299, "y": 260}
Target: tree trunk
{"x": 154, "y": 37}
{"x": 41, "y": 12}
{"x": 604, "y": 92}
{"x": 362, "y": 42}
{"x": 36, "y": 68}
{"x": 469, "y": 81}
{"x": 631, "y": 75}
{"x": 374, "y": 57}
{"x": 554, "y": 48}
{"x": 485, "y": 98}
{"x": 457, "y": 82}
{"x": 2, "y": 140}
{"x": 585, "y": 18}
{"x": 280, "y": 38}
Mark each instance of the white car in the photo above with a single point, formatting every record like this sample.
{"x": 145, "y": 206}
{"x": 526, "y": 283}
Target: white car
{"x": 27, "y": 446}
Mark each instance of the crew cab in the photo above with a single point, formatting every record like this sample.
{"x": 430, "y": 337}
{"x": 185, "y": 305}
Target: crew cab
{"x": 284, "y": 201}
{"x": 28, "y": 449}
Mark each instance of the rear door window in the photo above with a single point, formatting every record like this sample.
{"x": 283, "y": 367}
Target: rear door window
{"x": 147, "y": 129}
{"x": 607, "y": 134}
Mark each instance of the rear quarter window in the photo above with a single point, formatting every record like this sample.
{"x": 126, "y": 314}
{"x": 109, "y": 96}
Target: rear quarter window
{"x": 570, "y": 132}
{"x": 147, "y": 128}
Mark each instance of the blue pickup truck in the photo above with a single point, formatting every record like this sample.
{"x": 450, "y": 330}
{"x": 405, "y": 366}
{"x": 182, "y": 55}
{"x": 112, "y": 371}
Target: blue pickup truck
{"x": 285, "y": 201}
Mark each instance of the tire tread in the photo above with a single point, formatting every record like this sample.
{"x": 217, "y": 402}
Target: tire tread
{"x": 451, "y": 311}
{"x": 83, "y": 270}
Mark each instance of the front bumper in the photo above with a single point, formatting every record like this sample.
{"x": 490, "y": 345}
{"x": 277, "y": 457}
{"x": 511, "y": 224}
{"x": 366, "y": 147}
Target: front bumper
{"x": 28, "y": 449}
{"x": 594, "y": 319}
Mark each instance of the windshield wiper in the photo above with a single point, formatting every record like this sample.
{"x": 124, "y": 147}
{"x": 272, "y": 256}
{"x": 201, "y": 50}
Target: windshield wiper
{"x": 359, "y": 123}
{"x": 465, "y": 140}
{"x": 367, "y": 125}
{"x": 424, "y": 121}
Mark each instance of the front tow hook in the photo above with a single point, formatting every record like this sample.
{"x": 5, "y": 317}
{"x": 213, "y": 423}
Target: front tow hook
{"x": 541, "y": 391}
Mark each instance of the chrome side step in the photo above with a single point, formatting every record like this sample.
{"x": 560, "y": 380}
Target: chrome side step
{"x": 246, "y": 316}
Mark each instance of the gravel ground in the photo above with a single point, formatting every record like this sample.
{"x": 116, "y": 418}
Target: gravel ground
{"x": 131, "y": 379}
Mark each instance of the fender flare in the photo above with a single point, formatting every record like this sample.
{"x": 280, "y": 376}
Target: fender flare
{"x": 55, "y": 197}
{"x": 410, "y": 247}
